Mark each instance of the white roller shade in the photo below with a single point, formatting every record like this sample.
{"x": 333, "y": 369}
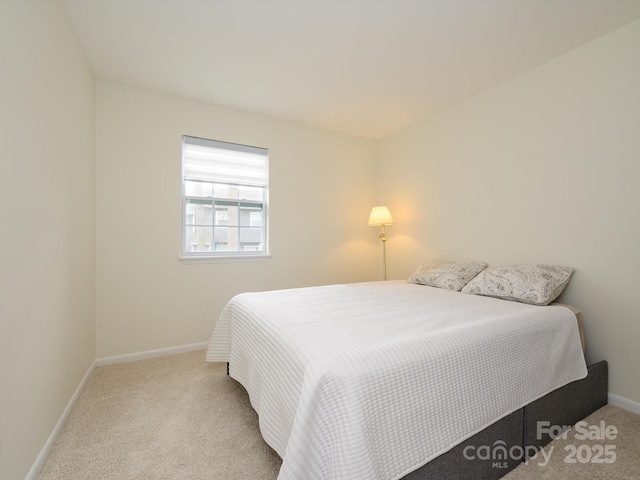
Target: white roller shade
{"x": 222, "y": 162}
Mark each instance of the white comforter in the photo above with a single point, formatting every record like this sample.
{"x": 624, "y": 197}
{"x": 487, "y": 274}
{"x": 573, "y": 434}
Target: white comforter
{"x": 373, "y": 380}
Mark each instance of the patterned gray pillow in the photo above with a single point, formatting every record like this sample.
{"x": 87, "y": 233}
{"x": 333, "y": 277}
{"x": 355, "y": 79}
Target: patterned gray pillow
{"x": 534, "y": 284}
{"x": 446, "y": 274}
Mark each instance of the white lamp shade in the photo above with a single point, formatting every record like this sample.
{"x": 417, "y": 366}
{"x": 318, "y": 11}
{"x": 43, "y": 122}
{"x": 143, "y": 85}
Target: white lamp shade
{"x": 380, "y": 216}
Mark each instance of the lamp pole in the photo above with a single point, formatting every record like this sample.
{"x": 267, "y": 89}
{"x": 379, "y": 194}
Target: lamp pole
{"x": 383, "y": 237}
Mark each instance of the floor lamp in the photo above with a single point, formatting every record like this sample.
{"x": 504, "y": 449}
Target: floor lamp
{"x": 379, "y": 217}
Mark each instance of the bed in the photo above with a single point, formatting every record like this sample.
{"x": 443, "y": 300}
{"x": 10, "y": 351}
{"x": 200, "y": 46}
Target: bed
{"x": 384, "y": 380}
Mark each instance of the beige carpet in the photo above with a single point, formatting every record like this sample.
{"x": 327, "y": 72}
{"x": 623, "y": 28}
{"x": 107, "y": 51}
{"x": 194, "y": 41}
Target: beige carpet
{"x": 174, "y": 417}
{"x": 577, "y": 458}
{"x": 179, "y": 417}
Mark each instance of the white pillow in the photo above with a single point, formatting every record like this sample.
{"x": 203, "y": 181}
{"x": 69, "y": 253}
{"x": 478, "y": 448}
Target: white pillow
{"x": 446, "y": 274}
{"x": 534, "y": 284}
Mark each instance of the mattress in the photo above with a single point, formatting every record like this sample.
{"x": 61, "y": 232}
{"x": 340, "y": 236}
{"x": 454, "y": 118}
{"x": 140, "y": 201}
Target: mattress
{"x": 579, "y": 319}
{"x": 373, "y": 380}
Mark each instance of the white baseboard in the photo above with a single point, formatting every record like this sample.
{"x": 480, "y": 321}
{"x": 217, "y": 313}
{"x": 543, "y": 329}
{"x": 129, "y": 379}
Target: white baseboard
{"x": 46, "y": 450}
{"x": 162, "y": 352}
{"x": 629, "y": 405}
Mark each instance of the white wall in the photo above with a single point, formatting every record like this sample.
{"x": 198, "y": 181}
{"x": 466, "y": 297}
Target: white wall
{"x": 544, "y": 168}
{"x": 321, "y": 191}
{"x": 47, "y": 240}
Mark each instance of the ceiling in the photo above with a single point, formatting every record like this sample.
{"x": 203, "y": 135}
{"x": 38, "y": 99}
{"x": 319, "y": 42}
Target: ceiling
{"x": 367, "y": 68}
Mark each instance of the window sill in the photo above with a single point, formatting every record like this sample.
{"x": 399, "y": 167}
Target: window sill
{"x": 224, "y": 259}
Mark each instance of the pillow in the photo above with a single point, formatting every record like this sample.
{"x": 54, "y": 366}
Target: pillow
{"x": 534, "y": 284}
{"x": 445, "y": 274}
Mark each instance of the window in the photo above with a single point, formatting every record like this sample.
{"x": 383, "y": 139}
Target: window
{"x": 222, "y": 217}
{"x": 190, "y": 219}
{"x": 224, "y": 200}
{"x": 255, "y": 219}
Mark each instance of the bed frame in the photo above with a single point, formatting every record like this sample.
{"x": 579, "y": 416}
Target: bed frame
{"x": 518, "y": 432}
{"x": 514, "y": 439}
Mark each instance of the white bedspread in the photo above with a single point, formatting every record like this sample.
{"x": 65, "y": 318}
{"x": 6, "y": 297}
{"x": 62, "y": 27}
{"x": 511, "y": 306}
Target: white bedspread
{"x": 373, "y": 380}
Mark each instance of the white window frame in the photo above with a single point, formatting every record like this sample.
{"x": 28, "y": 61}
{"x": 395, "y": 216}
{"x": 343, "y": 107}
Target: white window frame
{"x": 187, "y": 256}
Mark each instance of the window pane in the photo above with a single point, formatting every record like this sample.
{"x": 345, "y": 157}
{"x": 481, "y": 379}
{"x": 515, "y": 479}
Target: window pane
{"x": 198, "y": 189}
{"x": 251, "y": 193}
{"x": 251, "y": 239}
{"x": 198, "y": 239}
{"x": 198, "y": 212}
{"x": 222, "y": 216}
{"x": 221, "y": 190}
{"x": 226, "y": 215}
{"x": 226, "y": 239}
{"x": 250, "y": 216}
{"x": 190, "y": 215}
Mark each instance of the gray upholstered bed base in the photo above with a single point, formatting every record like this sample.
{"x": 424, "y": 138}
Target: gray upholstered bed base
{"x": 518, "y": 432}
